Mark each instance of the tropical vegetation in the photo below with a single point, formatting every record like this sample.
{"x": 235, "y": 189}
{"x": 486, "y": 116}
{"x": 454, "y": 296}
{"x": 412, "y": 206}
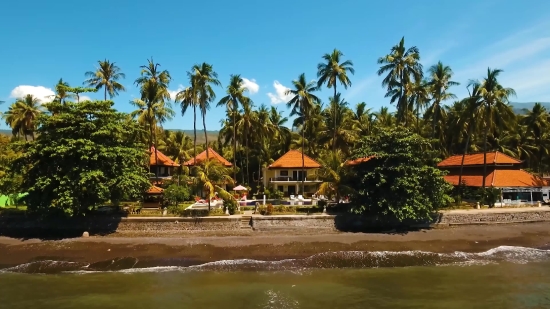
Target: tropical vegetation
{"x": 423, "y": 113}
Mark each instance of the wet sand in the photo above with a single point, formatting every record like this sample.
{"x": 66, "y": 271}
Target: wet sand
{"x": 200, "y": 247}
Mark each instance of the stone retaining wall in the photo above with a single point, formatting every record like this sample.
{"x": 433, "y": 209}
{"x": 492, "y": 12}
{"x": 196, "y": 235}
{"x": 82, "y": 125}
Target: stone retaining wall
{"x": 493, "y": 217}
{"x": 23, "y": 227}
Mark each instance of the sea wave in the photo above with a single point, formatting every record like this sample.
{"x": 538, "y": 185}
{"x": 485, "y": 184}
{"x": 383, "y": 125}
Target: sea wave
{"x": 337, "y": 259}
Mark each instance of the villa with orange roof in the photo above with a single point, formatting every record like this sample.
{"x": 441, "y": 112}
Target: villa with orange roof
{"x": 503, "y": 172}
{"x": 165, "y": 166}
{"x": 286, "y": 175}
{"x": 213, "y": 155}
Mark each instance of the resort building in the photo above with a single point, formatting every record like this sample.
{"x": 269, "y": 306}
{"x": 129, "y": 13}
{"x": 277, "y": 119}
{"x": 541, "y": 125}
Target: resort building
{"x": 165, "y": 166}
{"x": 201, "y": 157}
{"x": 503, "y": 172}
{"x": 286, "y": 175}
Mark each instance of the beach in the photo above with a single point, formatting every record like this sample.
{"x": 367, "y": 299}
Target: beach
{"x": 205, "y": 246}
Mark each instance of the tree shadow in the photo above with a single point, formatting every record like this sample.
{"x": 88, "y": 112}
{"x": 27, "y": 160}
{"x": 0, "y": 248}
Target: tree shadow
{"x": 24, "y": 227}
{"x": 350, "y": 223}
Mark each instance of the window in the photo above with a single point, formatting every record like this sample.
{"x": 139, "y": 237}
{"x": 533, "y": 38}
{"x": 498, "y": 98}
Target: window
{"x": 283, "y": 173}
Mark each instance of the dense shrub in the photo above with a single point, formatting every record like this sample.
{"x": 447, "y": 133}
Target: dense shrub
{"x": 175, "y": 194}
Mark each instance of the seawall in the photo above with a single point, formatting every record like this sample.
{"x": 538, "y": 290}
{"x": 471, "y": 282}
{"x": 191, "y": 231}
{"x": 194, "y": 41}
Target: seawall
{"x": 19, "y": 226}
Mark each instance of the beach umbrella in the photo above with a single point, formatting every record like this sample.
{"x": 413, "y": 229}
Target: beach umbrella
{"x": 240, "y": 188}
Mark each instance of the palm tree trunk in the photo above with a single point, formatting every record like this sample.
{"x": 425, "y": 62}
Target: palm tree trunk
{"x": 105, "y": 92}
{"x": 156, "y": 157}
{"x": 247, "y": 161}
{"x": 434, "y": 120}
{"x": 303, "y": 161}
{"x": 205, "y": 135}
{"x": 462, "y": 162}
{"x": 234, "y": 146}
{"x": 194, "y": 135}
{"x": 335, "y": 124}
{"x": 485, "y": 133}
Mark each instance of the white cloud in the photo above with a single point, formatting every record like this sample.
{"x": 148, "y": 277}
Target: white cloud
{"x": 530, "y": 83}
{"x": 251, "y": 85}
{"x": 42, "y": 93}
{"x": 280, "y": 95}
{"x": 85, "y": 98}
{"x": 173, "y": 93}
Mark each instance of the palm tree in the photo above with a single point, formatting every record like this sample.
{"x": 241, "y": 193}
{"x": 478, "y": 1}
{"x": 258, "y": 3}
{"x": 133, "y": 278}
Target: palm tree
{"x": 495, "y": 100}
{"x": 22, "y": 115}
{"x": 403, "y": 67}
{"x": 332, "y": 174}
{"x": 154, "y": 100}
{"x": 302, "y": 102}
{"x": 247, "y": 120}
{"x": 106, "y": 76}
{"x": 235, "y": 97}
{"x": 61, "y": 92}
{"x": 468, "y": 119}
{"x": 188, "y": 98}
{"x": 439, "y": 82}
{"x": 537, "y": 121}
{"x": 203, "y": 78}
{"x": 209, "y": 175}
{"x": 332, "y": 71}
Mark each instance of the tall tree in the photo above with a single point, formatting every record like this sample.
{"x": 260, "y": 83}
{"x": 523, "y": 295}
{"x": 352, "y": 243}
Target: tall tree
{"x": 106, "y": 76}
{"x": 332, "y": 71}
{"x": 22, "y": 115}
{"x": 236, "y": 95}
{"x": 155, "y": 98}
{"x": 188, "y": 98}
{"x": 439, "y": 83}
{"x": 61, "y": 92}
{"x": 202, "y": 79}
{"x": 402, "y": 66}
{"x": 495, "y": 100}
{"x": 537, "y": 121}
{"x": 303, "y": 100}
{"x": 91, "y": 160}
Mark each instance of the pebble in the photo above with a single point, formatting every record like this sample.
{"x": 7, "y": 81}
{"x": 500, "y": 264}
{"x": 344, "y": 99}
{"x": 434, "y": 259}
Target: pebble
{"x": 85, "y": 234}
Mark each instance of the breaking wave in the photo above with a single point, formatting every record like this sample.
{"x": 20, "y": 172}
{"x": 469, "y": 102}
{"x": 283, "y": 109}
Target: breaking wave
{"x": 339, "y": 259}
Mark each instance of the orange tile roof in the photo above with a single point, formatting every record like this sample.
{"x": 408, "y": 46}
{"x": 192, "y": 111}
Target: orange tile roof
{"x": 155, "y": 190}
{"x": 477, "y": 159}
{"x": 163, "y": 159}
{"x": 213, "y": 155}
{"x": 357, "y": 161}
{"x": 293, "y": 159}
{"x": 500, "y": 178}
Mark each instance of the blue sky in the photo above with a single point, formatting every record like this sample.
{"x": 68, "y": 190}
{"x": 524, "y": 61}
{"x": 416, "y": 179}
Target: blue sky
{"x": 270, "y": 43}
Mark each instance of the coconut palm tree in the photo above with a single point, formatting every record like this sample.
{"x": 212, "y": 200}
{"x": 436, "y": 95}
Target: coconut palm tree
{"x": 235, "y": 97}
{"x": 106, "y": 76}
{"x": 439, "y": 83}
{"x": 22, "y": 115}
{"x": 202, "y": 78}
{"x": 332, "y": 174}
{"x": 495, "y": 101}
{"x": 209, "y": 175}
{"x": 330, "y": 73}
{"x": 188, "y": 98}
{"x": 154, "y": 101}
{"x": 62, "y": 93}
{"x": 402, "y": 66}
{"x": 537, "y": 121}
{"x": 302, "y": 102}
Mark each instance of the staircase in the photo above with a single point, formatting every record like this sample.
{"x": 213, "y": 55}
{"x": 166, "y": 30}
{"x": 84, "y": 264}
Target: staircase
{"x": 245, "y": 222}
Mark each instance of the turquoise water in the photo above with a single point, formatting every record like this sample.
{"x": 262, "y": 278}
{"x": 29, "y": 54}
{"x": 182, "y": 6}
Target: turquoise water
{"x": 505, "y": 277}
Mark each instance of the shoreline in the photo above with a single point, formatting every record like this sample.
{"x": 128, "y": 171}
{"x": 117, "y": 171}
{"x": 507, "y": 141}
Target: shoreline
{"x": 202, "y": 247}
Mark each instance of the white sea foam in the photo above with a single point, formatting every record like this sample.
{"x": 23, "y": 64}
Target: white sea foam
{"x": 337, "y": 259}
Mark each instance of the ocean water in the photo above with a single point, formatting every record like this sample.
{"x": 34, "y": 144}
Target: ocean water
{"x": 503, "y": 277}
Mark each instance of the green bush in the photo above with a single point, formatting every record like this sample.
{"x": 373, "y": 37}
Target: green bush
{"x": 175, "y": 194}
{"x": 217, "y": 212}
{"x": 285, "y": 209}
{"x": 202, "y": 212}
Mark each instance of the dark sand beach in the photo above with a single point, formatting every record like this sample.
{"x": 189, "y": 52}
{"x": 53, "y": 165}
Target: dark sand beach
{"x": 200, "y": 247}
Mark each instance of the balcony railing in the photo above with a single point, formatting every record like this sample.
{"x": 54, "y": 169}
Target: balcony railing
{"x": 292, "y": 179}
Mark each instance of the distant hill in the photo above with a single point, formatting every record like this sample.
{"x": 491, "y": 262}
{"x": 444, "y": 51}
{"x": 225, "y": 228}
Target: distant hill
{"x": 212, "y": 135}
{"x": 519, "y": 108}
